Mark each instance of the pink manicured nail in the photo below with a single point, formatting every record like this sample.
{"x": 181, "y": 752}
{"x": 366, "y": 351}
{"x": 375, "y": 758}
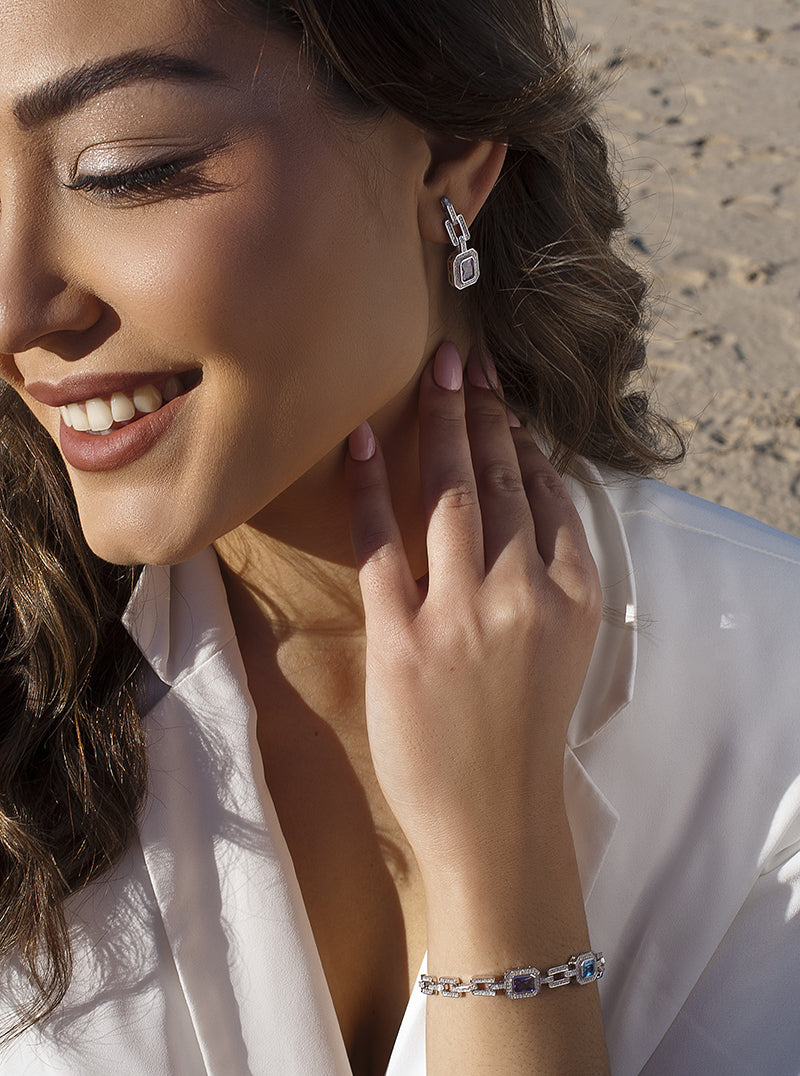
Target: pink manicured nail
{"x": 513, "y": 421}
{"x": 481, "y": 370}
{"x": 490, "y": 368}
{"x": 447, "y": 372}
{"x": 475, "y": 373}
{"x": 362, "y": 442}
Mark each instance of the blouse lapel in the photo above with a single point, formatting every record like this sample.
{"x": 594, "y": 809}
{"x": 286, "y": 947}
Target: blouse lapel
{"x": 609, "y": 681}
{"x": 220, "y": 869}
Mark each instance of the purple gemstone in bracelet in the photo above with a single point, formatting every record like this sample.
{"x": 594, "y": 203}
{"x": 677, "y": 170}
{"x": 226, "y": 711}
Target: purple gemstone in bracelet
{"x": 522, "y": 983}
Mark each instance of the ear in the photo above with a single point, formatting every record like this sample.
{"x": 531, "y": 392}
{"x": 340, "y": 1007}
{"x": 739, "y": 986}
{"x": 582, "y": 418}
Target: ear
{"x": 462, "y": 171}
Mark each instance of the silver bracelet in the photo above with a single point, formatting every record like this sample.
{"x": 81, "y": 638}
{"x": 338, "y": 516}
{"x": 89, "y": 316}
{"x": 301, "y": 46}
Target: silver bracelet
{"x": 519, "y": 982}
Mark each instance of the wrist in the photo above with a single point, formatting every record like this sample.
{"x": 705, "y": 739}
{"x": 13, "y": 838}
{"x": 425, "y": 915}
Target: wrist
{"x": 510, "y": 857}
{"x": 528, "y": 912}
{"x": 521, "y": 982}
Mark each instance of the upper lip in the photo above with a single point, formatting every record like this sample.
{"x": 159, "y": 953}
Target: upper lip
{"x": 80, "y": 387}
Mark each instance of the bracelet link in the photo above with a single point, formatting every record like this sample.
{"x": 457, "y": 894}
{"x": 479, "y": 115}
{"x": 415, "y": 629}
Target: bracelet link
{"x": 560, "y": 975}
{"x": 519, "y": 982}
{"x": 486, "y": 986}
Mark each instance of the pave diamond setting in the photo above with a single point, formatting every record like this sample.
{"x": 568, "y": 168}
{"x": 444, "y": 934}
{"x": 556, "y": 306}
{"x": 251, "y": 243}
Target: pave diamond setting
{"x": 589, "y": 967}
{"x": 464, "y": 266}
{"x": 519, "y": 982}
{"x": 522, "y": 983}
{"x": 485, "y": 986}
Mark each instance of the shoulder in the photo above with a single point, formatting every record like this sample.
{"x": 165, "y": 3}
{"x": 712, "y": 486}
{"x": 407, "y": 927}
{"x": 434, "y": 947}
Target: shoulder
{"x": 683, "y": 548}
{"x": 652, "y": 510}
{"x": 708, "y": 578}
{"x": 717, "y": 596}
{"x": 715, "y": 600}
{"x": 647, "y": 505}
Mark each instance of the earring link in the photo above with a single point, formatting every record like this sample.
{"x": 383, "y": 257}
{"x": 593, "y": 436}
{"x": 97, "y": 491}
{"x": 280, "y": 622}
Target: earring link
{"x": 463, "y": 266}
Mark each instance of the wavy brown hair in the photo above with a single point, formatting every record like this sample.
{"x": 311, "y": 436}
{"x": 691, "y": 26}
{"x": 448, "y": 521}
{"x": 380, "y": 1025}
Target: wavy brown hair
{"x": 560, "y": 310}
{"x": 72, "y": 759}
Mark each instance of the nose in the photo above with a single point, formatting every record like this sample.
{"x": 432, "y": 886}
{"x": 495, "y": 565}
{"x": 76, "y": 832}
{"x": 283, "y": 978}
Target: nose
{"x": 40, "y": 306}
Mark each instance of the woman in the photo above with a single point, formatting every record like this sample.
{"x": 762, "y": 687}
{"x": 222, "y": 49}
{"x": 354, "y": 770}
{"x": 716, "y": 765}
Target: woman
{"x": 376, "y": 706}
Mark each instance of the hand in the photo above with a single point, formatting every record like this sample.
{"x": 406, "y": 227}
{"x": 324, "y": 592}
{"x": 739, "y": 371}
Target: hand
{"x": 473, "y": 674}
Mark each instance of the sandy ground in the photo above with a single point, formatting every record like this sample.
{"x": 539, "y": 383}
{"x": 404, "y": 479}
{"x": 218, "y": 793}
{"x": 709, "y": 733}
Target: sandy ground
{"x": 705, "y": 118}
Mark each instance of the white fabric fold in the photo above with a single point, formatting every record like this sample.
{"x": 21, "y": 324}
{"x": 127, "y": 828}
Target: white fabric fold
{"x": 220, "y": 869}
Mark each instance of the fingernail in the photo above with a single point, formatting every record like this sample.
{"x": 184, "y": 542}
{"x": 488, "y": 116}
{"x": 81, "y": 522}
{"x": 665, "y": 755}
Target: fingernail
{"x": 513, "y": 421}
{"x": 481, "y": 370}
{"x": 361, "y": 442}
{"x": 490, "y": 368}
{"x": 475, "y": 373}
{"x": 447, "y": 372}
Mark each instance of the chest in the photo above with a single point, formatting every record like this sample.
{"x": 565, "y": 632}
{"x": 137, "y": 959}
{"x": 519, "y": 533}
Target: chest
{"x": 357, "y": 874}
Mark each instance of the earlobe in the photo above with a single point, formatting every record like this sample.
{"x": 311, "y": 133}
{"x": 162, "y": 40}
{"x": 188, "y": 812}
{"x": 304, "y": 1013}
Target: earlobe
{"x": 462, "y": 171}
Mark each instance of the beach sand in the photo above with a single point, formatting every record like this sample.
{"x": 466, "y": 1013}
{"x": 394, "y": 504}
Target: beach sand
{"x": 704, "y": 114}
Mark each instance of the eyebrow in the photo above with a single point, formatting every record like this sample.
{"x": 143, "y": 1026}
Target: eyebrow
{"x": 74, "y": 88}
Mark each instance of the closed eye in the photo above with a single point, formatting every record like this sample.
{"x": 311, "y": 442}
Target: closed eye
{"x": 181, "y": 178}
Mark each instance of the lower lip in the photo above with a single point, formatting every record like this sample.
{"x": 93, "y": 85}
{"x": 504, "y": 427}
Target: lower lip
{"x": 107, "y": 452}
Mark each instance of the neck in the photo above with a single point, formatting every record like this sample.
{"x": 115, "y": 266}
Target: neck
{"x": 294, "y": 560}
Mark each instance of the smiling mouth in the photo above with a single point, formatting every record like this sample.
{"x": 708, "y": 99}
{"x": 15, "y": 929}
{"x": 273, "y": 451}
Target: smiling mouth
{"x": 104, "y": 414}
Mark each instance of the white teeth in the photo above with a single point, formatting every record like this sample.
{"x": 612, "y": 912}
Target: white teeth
{"x": 99, "y": 415}
{"x": 78, "y": 419}
{"x": 172, "y": 388}
{"x": 147, "y": 399}
{"x": 122, "y": 407}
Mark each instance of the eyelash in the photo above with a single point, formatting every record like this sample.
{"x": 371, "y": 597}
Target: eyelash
{"x": 146, "y": 184}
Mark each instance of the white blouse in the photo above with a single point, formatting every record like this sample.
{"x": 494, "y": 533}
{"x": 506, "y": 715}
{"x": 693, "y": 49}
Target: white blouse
{"x": 196, "y": 955}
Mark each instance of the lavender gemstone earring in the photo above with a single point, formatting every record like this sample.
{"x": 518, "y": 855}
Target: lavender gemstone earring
{"x": 464, "y": 267}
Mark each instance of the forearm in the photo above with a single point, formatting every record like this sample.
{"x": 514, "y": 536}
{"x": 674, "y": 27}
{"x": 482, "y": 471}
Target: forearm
{"x": 471, "y": 682}
{"x": 525, "y": 910}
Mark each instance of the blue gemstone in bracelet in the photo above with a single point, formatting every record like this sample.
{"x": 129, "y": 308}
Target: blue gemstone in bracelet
{"x": 586, "y": 970}
{"x": 589, "y": 967}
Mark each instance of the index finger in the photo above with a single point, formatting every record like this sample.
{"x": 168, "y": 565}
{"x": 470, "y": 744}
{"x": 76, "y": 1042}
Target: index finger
{"x": 388, "y": 589}
{"x": 449, "y": 489}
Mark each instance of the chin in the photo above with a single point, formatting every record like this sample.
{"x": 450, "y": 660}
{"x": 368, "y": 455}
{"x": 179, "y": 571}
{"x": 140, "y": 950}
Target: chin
{"x": 127, "y": 542}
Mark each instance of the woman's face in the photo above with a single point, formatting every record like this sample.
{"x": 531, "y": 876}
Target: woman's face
{"x": 181, "y": 212}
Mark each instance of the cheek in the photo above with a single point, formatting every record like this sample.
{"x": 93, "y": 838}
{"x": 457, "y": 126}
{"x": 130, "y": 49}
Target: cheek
{"x": 347, "y": 298}
{"x": 314, "y": 300}
{"x": 280, "y": 264}
{"x": 308, "y": 311}
{"x": 181, "y": 282}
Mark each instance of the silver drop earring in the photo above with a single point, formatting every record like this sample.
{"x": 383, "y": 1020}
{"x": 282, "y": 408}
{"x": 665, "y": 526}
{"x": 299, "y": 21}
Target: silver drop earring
{"x": 464, "y": 267}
